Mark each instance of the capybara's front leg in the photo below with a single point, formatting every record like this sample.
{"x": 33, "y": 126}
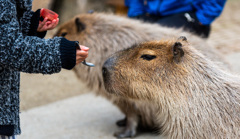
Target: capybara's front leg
{"x": 122, "y": 122}
{"x": 130, "y": 129}
{"x": 130, "y": 122}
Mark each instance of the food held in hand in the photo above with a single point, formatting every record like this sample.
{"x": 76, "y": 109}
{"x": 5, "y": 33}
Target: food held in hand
{"x": 49, "y": 14}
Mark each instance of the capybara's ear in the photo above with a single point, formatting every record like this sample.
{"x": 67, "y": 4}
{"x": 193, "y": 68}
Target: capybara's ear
{"x": 177, "y": 52}
{"x": 182, "y": 38}
{"x": 79, "y": 24}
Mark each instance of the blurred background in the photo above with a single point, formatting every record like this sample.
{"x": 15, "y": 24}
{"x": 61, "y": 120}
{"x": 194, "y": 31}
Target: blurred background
{"x": 38, "y": 91}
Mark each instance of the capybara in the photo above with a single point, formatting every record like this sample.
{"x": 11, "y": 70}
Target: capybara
{"x": 190, "y": 95}
{"x": 106, "y": 34}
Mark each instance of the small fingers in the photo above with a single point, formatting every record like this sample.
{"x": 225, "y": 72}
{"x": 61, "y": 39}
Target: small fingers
{"x": 52, "y": 25}
{"x": 47, "y": 24}
{"x": 82, "y": 53}
{"x": 84, "y": 48}
{"x": 43, "y": 23}
{"x": 79, "y": 60}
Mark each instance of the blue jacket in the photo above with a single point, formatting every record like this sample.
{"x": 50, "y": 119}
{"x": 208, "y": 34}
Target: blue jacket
{"x": 206, "y": 10}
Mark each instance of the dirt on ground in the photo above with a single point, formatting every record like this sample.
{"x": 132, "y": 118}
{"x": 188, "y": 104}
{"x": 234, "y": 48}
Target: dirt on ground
{"x": 37, "y": 89}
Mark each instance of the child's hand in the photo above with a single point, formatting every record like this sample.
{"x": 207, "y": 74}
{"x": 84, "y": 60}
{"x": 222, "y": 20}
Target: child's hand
{"x": 81, "y": 54}
{"x": 47, "y": 24}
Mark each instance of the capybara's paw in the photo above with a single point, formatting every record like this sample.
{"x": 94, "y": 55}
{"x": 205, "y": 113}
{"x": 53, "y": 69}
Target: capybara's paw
{"x": 122, "y": 122}
{"x": 125, "y": 134}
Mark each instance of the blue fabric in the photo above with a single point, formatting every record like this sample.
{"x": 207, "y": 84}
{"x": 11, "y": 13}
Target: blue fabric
{"x": 206, "y": 10}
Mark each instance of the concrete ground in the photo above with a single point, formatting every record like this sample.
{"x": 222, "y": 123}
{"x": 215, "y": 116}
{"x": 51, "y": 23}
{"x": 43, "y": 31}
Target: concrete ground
{"x": 61, "y": 107}
{"x": 82, "y": 117}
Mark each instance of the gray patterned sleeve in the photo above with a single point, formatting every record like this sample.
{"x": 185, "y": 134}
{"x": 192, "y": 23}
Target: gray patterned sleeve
{"x": 25, "y": 53}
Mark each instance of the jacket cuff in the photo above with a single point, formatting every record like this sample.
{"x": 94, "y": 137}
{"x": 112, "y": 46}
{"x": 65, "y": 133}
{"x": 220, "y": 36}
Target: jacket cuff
{"x": 7, "y": 130}
{"x": 68, "y": 53}
{"x": 41, "y": 34}
{"x": 34, "y": 23}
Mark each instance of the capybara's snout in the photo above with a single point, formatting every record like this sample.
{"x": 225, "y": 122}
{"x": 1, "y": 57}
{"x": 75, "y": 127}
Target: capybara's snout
{"x": 107, "y": 69}
{"x": 107, "y": 66}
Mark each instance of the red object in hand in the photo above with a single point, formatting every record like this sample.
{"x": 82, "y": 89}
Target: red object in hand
{"x": 49, "y": 14}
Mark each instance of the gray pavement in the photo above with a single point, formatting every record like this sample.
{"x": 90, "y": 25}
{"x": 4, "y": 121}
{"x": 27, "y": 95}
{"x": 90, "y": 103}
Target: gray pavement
{"x": 82, "y": 117}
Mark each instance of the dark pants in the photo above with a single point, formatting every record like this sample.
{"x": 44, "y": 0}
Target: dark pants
{"x": 188, "y": 21}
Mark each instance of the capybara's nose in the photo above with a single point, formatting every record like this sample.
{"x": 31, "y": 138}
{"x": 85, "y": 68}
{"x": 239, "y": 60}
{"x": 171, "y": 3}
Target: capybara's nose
{"x": 107, "y": 66}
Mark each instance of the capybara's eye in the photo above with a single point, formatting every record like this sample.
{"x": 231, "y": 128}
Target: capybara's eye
{"x": 64, "y": 34}
{"x": 148, "y": 57}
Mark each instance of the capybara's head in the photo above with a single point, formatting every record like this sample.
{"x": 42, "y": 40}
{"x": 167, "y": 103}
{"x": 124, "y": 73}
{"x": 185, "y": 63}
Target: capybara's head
{"x": 147, "y": 69}
{"x": 73, "y": 28}
{"x": 104, "y": 34}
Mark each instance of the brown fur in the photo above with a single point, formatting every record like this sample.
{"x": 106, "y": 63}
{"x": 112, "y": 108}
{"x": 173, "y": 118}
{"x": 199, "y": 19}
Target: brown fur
{"x": 106, "y": 34}
{"x": 190, "y": 96}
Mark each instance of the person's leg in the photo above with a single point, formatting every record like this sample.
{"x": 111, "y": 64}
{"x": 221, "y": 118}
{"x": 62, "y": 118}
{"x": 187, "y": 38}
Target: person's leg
{"x": 188, "y": 21}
